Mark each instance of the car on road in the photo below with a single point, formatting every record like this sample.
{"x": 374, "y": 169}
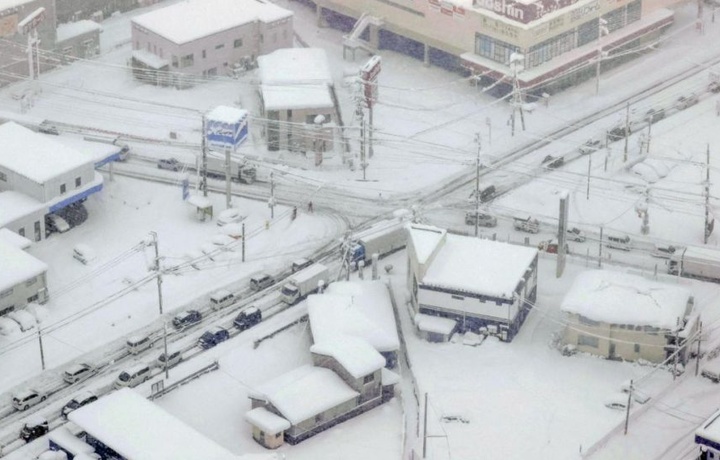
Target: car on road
{"x": 213, "y": 336}
{"x": 36, "y": 426}
{"x": 299, "y": 264}
{"x": 79, "y": 400}
{"x": 654, "y": 115}
{"x": 482, "y": 219}
{"x": 230, "y": 216}
{"x": 664, "y": 251}
{"x": 171, "y": 164}
{"x": 78, "y": 373}
{"x": 590, "y": 146}
{"x": 552, "y": 162}
{"x": 683, "y": 102}
{"x": 552, "y": 247}
{"x": 530, "y": 225}
{"x": 187, "y": 318}
{"x": 172, "y": 358}
{"x": 248, "y": 318}
{"x": 261, "y": 281}
{"x": 575, "y": 234}
{"x": 25, "y": 399}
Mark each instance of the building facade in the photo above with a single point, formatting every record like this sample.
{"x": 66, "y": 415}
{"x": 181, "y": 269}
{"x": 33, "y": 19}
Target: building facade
{"x": 208, "y": 37}
{"x": 23, "y": 279}
{"x": 79, "y": 39}
{"x": 557, "y": 40}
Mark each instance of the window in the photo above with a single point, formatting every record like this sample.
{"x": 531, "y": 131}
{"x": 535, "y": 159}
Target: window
{"x": 238, "y": 43}
{"x": 220, "y": 46}
{"x": 204, "y": 54}
{"x": 588, "y": 341}
{"x": 368, "y": 379}
{"x": 3, "y": 176}
{"x": 187, "y": 60}
{"x": 318, "y": 418}
{"x": 457, "y": 297}
{"x": 6, "y": 293}
{"x": 21, "y": 231}
{"x": 284, "y": 33}
{"x": 174, "y": 61}
{"x": 262, "y": 434}
{"x": 78, "y": 182}
{"x": 274, "y": 37}
{"x": 63, "y": 188}
{"x": 161, "y": 52}
{"x": 633, "y": 11}
{"x": 31, "y": 281}
{"x": 588, "y": 321}
{"x": 261, "y": 38}
{"x": 277, "y": 435}
{"x": 148, "y": 47}
{"x": 637, "y": 348}
{"x": 137, "y": 45}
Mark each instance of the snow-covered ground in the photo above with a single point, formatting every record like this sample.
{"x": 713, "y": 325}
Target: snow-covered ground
{"x": 519, "y": 399}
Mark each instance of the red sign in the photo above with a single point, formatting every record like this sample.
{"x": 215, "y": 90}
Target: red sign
{"x": 369, "y": 73}
{"x": 31, "y": 22}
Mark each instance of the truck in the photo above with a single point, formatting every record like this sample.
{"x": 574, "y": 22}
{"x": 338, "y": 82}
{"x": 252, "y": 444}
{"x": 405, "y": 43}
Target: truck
{"x": 382, "y": 238}
{"x": 695, "y": 262}
{"x": 304, "y": 282}
{"x": 239, "y": 172}
{"x": 530, "y": 225}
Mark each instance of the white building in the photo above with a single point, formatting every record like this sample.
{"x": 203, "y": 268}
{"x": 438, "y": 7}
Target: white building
{"x": 80, "y": 39}
{"x": 484, "y": 285}
{"x": 43, "y": 175}
{"x": 206, "y": 37}
{"x": 296, "y": 87}
{"x": 23, "y": 278}
{"x": 624, "y": 316}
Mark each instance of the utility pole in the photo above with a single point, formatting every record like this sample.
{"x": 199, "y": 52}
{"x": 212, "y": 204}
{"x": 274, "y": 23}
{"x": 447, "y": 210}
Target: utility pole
{"x": 272, "y": 196}
{"x": 425, "y": 428}
{"x": 361, "y": 114}
{"x": 627, "y": 409}
{"x": 517, "y": 101}
{"x": 677, "y": 348}
{"x": 167, "y": 371}
{"x": 156, "y": 268}
{"x": 627, "y": 131}
{"x": 370, "y": 128}
{"x": 203, "y": 179}
{"x": 600, "y": 249}
{"x": 243, "y": 241}
{"x": 645, "y": 228}
{"x": 707, "y": 196}
{"x": 697, "y": 356}
{"x": 587, "y": 194}
{"x": 477, "y": 183}
{"x": 42, "y": 351}
{"x": 228, "y": 175}
{"x": 647, "y": 147}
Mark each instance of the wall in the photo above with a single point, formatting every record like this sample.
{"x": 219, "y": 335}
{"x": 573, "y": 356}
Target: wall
{"x": 281, "y": 136}
{"x": 82, "y": 46}
{"x": 86, "y": 173}
{"x": 21, "y": 184}
{"x": 472, "y": 306}
{"x": 25, "y": 226}
{"x": 20, "y": 294}
{"x": 73, "y": 10}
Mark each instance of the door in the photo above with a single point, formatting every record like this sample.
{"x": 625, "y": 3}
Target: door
{"x": 37, "y": 231}
{"x": 611, "y": 353}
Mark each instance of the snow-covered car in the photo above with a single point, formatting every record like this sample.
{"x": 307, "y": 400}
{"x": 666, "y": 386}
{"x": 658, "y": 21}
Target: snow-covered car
{"x": 79, "y": 372}
{"x": 84, "y": 253}
{"x": 34, "y": 427}
{"x": 617, "y": 401}
{"x": 25, "y": 399}
{"x": 261, "y": 281}
{"x": 654, "y": 115}
{"x": 230, "y": 216}
{"x": 213, "y": 336}
{"x": 664, "y": 251}
{"x": 171, "y": 164}
{"x": 683, "y": 102}
{"x": 223, "y": 241}
{"x": 299, "y": 264}
{"x": 187, "y": 318}
{"x": 552, "y": 162}
{"x": 24, "y": 319}
{"x": 483, "y": 219}
{"x": 172, "y": 358}
{"x": 530, "y": 225}
{"x": 79, "y": 400}
{"x": 590, "y": 146}
{"x": 55, "y": 224}
{"x": 575, "y": 234}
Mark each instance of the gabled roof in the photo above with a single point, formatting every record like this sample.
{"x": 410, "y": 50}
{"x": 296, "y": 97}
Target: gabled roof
{"x": 355, "y": 355}
{"x": 425, "y": 239}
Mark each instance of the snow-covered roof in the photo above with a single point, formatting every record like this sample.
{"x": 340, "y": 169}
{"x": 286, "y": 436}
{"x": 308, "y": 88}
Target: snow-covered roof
{"x": 295, "y": 66}
{"x": 13, "y": 239}
{"x": 703, "y": 253}
{"x": 14, "y": 205}
{"x": 623, "y": 298}
{"x": 355, "y": 355}
{"x": 479, "y": 266}
{"x": 710, "y": 429}
{"x": 17, "y": 266}
{"x": 388, "y": 377}
{"x": 436, "y": 324}
{"x": 293, "y": 97}
{"x": 199, "y": 201}
{"x": 305, "y": 392}
{"x": 95, "y": 151}
{"x": 425, "y": 239}
{"x": 266, "y": 420}
{"x": 5, "y": 4}
{"x": 226, "y": 114}
{"x": 75, "y": 29}
{"x": 36, "y": 156}
{"x": 136, "y": 428}
{"x": 64, "y": 437}
{"x": 190, "y": 20}
{"x": 151, "y": 60}
{"x": 361, "y": 309}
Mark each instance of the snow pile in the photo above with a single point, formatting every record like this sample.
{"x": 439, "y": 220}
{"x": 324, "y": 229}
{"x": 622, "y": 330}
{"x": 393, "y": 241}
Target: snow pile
{"x": 75, "y": 29}
{"x": 266, "y": 420}
{"x": 295, "y": 66}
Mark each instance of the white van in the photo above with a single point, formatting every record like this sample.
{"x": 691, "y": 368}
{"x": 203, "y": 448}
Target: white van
{"x": 221, "y": 299}
{"x": 136, "y": 344}
{"x": 83, "y": 253}
{"x": 133, "y": 376}
{"x": 621, "y": 242}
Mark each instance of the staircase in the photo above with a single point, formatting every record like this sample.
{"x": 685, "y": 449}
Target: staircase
{"x": 353, "y": 41}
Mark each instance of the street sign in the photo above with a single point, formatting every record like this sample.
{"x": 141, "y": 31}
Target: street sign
{"x": 31, "y": 22}
{"x": 369, "y": 74}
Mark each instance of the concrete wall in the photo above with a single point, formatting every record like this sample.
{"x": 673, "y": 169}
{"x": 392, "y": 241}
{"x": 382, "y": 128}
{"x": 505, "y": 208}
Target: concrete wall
{"x": 25, "y": 226}
{"x": 17, "y": 297}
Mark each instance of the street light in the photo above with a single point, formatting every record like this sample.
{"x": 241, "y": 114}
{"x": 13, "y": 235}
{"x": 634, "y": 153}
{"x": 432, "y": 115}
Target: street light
{"x": 602, "y": 31}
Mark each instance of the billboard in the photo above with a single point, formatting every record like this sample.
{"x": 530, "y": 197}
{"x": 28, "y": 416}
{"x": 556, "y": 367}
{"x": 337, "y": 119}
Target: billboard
{"x": 369, "y": 74}
{"x": 226, "y": 127}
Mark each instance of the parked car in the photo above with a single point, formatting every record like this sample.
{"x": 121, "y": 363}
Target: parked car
{"x": 34, "y": 427}
{"x": 575, "y": 234}
{"x": 617, "y": 401}
{"x": 48, "y": 128}
{"x": 590, "y": 146}
{"x": 711, "y": 370}
{"x": 530, "y": 225}
{"x": 621, "y": 242}
{"x": 654, "y": 115}
{"x": 133, "y": 376}
{"x": 55, "y": 224}
{"x": 187, "y": 318}
{"x": 78, "y": 373}
{"x": 171, "y": 164}
{"x": 261, "y": 281}
{"x": 684, "y": 102}
{"x": 230, "y": 216}
{"x": 79, "y": 400}
{"x": 551, "y": 247}
{"x": 664, "y": 251}
{"x": 552, "y": 162}
{"x": 136, "y": 344}
{"x": 299, "y": 264}
{"x": 483, "y": 219}
{"x": 486, "y": 194}
{"x": 248, "y": 318}
{"x": 23, "y": 318}
{"x": 84, "y": 253}
{"x": 213, "y": 336}
{"x": 714, "y": 87}
{"x": 25, "y": 399}
{"x": 172, "y": 358}
{"x": 616, "y": 133}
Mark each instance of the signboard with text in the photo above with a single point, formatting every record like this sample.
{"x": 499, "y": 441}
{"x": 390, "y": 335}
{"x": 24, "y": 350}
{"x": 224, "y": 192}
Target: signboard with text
{"x": 226, "y": 127}
{"x": 369, "y": 74}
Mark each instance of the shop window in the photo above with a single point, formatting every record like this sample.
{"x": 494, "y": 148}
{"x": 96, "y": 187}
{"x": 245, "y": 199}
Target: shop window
{"x": 187, "y": 60}
{"x": 220, "y": 46}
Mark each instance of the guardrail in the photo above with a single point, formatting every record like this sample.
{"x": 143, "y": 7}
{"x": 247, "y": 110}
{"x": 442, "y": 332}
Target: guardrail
{"x": 200, "y": 372}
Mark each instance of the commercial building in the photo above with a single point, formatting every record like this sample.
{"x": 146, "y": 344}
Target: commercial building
{"x": 206, "y": 38}
{"x": 557, "y": 42}
{"x": 23, "y": 279}
{"x": 79, "y": 39}
{"x": 624, "y": 316}
{"x": 485, "y": 286}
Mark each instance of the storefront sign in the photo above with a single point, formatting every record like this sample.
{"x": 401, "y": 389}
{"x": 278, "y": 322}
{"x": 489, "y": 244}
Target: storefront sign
{"x": 528, "y": 12}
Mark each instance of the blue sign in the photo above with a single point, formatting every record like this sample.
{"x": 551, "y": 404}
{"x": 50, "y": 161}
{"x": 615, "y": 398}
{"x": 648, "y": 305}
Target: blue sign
{"x": 223, "y": 133}
{"x": 186, "y": 188}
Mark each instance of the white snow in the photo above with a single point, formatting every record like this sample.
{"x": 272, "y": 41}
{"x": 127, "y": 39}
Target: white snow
{"x": 190, "y": 20}
{"x": 622, "y": 298}
{"x": 96, "y": 151}
{"x": 136, "y": 428}
{"x": 36, "y": 156}
{"x": 65, "y": 438}
{"x": 389, "y": 377}
{"x": 436, "y": 324}
{"x": 266, "y": 420}
{"x": 75, "y": 29}
{"x": 5, "y": 4}
{"x": 226, "y": 114}
{"x": 710, "y": 430}
{"x": 425, "y": 240}
{"x": 305, "y": 392}
{"x": 355, "y": 355}
{"x": 457, "y": 265}
{"x": 295, "y": 66}
{"x": 13, "y": 239}
{"x": 17, "y": 266}
{"x": 151, "y": 60}
{"x": 14, "y": 205}
{"x": 277, "y": 97}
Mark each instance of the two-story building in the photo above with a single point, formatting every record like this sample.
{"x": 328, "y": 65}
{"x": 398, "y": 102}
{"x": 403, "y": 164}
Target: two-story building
{"x": 23, "y": 278}
{"x": 206, "y": 38}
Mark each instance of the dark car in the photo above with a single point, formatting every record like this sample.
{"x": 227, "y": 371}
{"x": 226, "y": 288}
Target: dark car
{"x": 187, "y": 318}
{"x": 552, "y": 162}
{"x": 34, "y": 428}
{"x": 483, "y": 220}
{"x": 81, "y": 399}
{"x": 213, "y": 336}
{"x": 171, "y": 164}
{"x": 654, "y": 115}
{"x": 248, "y": 318}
